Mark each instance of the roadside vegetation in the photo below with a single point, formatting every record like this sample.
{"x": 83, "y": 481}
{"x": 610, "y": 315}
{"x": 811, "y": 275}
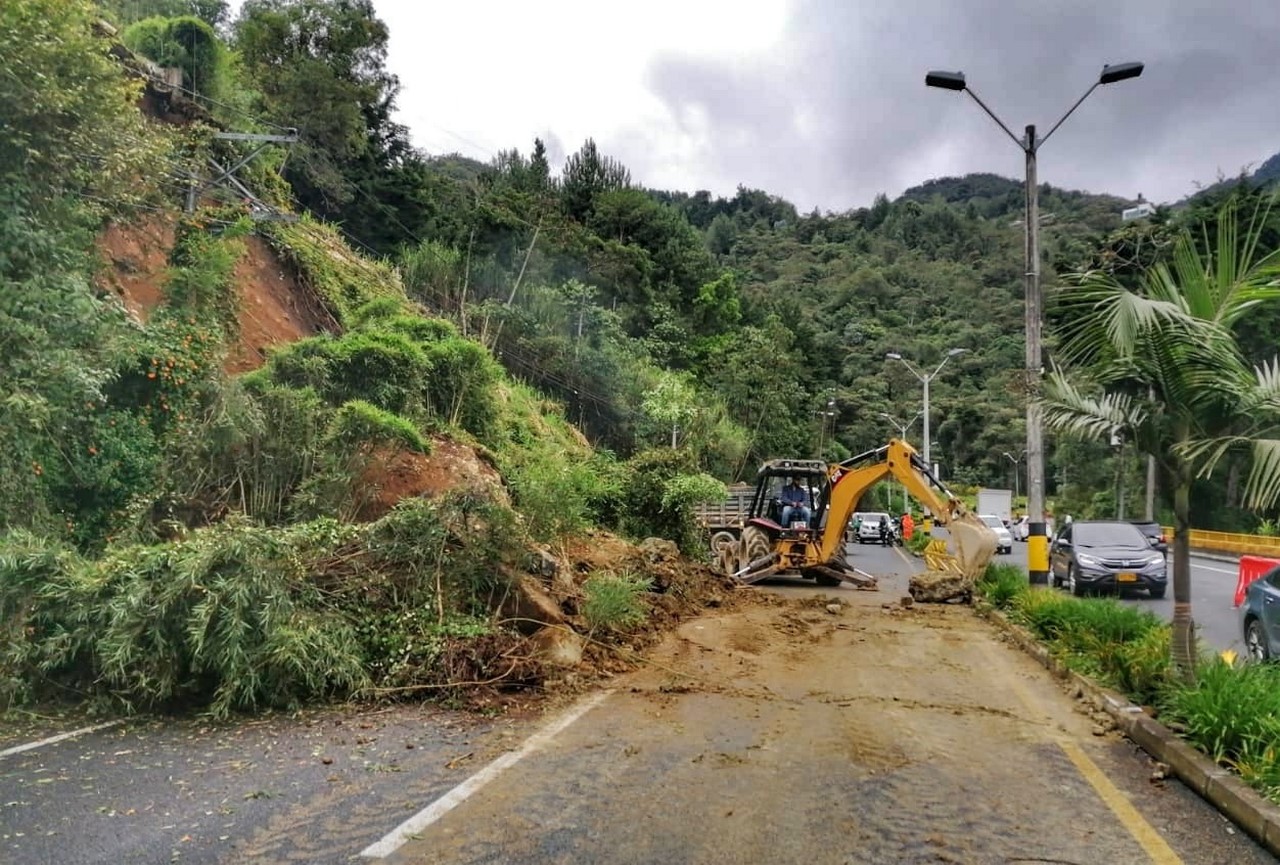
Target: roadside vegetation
{"x": 1230, "y": 712}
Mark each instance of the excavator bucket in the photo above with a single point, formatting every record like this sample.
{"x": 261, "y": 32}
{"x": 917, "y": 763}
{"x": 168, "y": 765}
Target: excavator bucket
{"x": 952, "y": 575}
{"x": 975, "y": 545}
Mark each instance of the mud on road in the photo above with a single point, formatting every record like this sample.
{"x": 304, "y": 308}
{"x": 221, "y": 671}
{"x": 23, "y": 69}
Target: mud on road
{"x": 790, "y": 732}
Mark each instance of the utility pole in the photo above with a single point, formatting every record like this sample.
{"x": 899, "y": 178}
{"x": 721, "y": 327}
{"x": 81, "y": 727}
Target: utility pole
{"x": 1038, "y": 557}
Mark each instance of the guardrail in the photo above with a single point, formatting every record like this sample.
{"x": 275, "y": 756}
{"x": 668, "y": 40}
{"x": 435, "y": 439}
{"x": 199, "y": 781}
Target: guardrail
{"x": 1230, "y": 542}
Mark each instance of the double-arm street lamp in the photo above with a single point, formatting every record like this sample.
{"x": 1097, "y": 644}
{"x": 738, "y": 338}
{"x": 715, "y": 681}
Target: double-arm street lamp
{"x": 924, "y": 380}
{"x": 1037, "y": 543}
{"x": 902, "y": 432}
{"x": 1016, "y": 460}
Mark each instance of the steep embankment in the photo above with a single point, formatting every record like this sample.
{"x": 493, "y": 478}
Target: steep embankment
{"x": 273, "y": 306}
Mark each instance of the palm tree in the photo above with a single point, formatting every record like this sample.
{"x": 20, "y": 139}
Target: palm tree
{"x": 1162, "y": 366}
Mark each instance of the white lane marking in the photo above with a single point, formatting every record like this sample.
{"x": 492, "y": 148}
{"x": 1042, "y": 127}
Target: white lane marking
{"x": 459, "y": 794}
{"x": 31, "y": 746}
{"x": 1215, "y": 570}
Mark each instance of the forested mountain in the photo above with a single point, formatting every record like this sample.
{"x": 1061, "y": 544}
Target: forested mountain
{"x": 728, "y": 325}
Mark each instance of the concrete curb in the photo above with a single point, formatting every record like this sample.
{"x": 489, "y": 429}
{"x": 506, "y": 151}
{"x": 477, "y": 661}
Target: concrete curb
{"x": 1221, "y": 788}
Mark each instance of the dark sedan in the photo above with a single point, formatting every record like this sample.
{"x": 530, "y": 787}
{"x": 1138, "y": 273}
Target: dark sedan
{"x": 1093, "y": 555}
{"x": 1155, "y": 535}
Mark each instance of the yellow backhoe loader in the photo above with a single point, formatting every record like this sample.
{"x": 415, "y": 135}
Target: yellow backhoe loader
{"x": 815, "y": 547}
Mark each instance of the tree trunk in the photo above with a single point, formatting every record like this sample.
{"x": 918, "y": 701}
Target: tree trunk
{"x": 1184, "y": 637}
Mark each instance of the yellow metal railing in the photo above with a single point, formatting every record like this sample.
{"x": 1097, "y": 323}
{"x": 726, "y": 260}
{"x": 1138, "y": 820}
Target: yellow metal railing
{"x": 1230, "y": 542}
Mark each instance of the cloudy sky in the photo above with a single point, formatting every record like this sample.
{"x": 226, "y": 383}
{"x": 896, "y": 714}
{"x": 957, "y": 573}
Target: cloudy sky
{"x": 823, "y": 101}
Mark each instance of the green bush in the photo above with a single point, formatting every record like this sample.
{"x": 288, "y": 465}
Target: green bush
{"x": 186, "y": 42}
{"x": 614, "y": 601}
{"x": 239, "y": 616}
{"x": 554, "y": 494}
{"x": 1002, "y": 584}
{"x": 648, "y": 508}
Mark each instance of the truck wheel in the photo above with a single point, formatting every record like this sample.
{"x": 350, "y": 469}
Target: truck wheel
{"x": 719, "y": 541}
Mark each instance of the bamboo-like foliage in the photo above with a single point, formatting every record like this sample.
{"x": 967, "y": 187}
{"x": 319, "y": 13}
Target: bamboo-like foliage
{"x": 241, "y": 616}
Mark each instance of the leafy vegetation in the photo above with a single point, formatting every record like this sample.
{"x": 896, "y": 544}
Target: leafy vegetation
{"x": 613, "y": 600}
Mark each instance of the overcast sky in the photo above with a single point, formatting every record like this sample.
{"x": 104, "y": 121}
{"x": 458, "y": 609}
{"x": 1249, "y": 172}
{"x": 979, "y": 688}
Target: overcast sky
{"x": 823, "y": 101}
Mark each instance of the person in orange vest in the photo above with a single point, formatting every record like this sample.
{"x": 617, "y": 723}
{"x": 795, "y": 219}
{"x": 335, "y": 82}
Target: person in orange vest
{"x": 908, "y": 526}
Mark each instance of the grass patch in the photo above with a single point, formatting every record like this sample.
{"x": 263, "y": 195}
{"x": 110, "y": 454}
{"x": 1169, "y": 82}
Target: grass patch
{"x": 614, "y": 601}
{"x": 1002, "y": 584}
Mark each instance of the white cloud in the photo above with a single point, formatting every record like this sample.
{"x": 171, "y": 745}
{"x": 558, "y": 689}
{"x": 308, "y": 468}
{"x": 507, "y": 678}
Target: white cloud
{"x": 483, "y": 76}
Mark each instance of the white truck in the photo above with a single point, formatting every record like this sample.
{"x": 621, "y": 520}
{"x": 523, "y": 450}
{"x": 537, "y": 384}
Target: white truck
{"x": 996, "y": 502}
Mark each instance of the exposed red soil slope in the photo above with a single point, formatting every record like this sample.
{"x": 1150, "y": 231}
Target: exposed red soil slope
{"x": 274, "y": 307}
{"x": 137, "y": 258}
{"x": 395, "y": 474}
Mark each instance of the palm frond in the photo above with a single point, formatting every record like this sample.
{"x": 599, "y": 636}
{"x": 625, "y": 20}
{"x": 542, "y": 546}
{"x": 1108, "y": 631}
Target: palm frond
{"x": 1068, "y": 408}
{"x": 1263, "y": 488}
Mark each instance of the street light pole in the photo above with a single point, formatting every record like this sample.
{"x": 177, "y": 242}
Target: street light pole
{"x": 1016, "y": 462}
{"x": 1037, "y": 542}
{"x": 924, "y": 380}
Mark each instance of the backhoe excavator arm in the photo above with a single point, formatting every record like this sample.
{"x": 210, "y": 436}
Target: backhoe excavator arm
{"x": 853, "y": 477}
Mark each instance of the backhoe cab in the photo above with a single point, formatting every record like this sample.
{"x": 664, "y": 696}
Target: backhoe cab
{"x": 815, "y": 548}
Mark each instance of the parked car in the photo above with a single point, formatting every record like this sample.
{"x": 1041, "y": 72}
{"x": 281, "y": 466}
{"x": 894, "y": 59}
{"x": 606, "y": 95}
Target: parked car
{"x": 1155, "y": 534}
{"x": 1106, "y": 554}
{"x": 869, "y": 531}
{"x": 1260, "y": 616}
{"x": 1004, "y": 538}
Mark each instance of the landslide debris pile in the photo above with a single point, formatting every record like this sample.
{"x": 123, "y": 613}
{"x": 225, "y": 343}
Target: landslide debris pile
{"x": 434, "y": 597}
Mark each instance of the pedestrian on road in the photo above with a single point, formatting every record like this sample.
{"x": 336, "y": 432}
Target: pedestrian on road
{"x": 908, "y": 526}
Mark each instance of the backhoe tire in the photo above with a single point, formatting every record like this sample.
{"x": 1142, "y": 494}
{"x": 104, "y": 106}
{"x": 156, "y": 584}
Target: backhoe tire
{"x": 755, "y": 544}
{"x": 826, "y": 580}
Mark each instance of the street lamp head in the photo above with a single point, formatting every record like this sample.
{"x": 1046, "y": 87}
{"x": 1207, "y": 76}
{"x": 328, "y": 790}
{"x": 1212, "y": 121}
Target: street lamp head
{"x": 1119, "y": 72}
{"x": 955, "y": 351}
{"x": 945, "y": 80}
{"x": 893, "y": 355}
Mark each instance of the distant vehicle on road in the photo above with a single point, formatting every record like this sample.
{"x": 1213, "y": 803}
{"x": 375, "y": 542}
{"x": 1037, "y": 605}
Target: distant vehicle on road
{"x": 1260, "y": 616}
{"x": 1155, "y": 534}
{"x": 869, "y": 530}
{"x": 1106, "y": 554}
{"x": 1004, "y": 538}
{"x": 998, "y": 502}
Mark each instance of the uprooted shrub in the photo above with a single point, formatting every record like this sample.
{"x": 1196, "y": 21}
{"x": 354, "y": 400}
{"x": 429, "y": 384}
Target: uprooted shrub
{"x": 240, "y": 616}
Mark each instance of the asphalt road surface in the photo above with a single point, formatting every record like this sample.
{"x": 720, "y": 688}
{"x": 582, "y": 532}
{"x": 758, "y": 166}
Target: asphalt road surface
{"x": 1213, "y": 582}
{"x": 780, "y": 732}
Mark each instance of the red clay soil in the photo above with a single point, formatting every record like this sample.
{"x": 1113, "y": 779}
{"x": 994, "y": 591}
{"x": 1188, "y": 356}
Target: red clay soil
{"x": 137, "y": 259}
{"x": 274, "y": 308}
{"x": 396, "y": 475}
